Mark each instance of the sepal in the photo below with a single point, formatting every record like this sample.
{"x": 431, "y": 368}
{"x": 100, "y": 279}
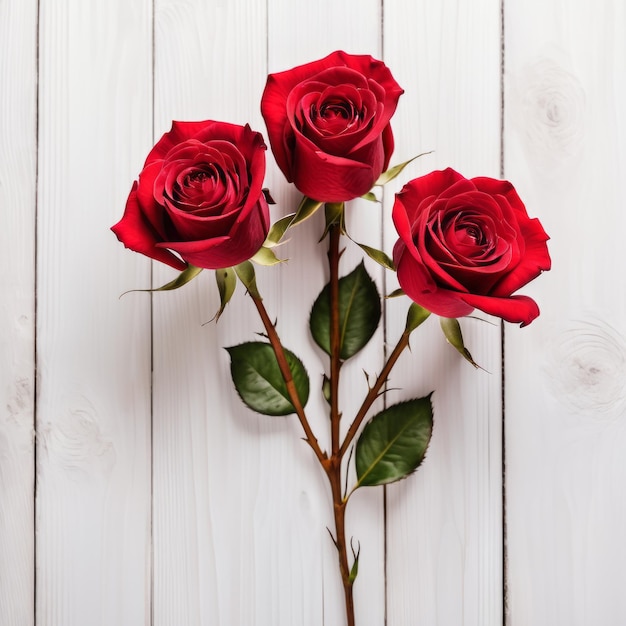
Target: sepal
{"x": 245, "y": 272}
{"x": 266, "y": 256}
{"x": 188, "y": 274}
{"x": 226, "y": 280}
{"x": 452, "y": 331}
{"x": 394, "y": 171}
{"x": 377, "y": 255}
{"x": 415, "y": 316}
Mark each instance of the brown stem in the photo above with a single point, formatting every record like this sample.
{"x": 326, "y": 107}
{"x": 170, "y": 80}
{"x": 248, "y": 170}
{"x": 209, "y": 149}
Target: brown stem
{"x": 339, "y": 511}
{"x": 374, "y": 391}
{"x": 333, "y": 466}
{"x": 335, "y": 338}
{"x": 288, "y": 378}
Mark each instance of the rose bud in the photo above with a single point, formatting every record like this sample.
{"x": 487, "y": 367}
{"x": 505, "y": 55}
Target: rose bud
{"x": 200, "y": 196}
{"x": 466, "y": 244}
{"x": 328, "y": 124}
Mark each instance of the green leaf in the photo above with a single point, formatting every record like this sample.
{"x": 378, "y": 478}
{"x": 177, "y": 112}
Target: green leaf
{"x": 189, "y": 273}
{"x": 394, "y": 171}
{"x": 415, "y": 316}
{"x": 245, "y": 272}
{"x": 226, "y": 283}
{"x": 259, "y": 381}
{"x": 394, "y": 442}
{"x": 452, "y": 330}
{"x": 359, "y": 313}
{"x": 266, "y": 256}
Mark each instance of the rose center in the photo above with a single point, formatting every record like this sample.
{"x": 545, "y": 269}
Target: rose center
{"x": 196, "y": 178}
{"x": 335, "y": 116}
{"x": 334, "y": 109}
{"x": 471, "y": 235}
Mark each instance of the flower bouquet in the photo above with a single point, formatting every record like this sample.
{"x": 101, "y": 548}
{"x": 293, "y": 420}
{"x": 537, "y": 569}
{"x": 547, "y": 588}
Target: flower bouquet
{"x": 463, "y": 244}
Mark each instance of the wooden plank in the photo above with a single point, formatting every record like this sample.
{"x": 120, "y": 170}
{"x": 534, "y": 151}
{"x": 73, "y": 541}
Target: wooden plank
{"x": 240, "y": 507}
{"x": 93, "y": 501}
{"x": 300, "y": 33}
{"x": 444, "y": 560}
{"x": 211, "y": 466}
{"x": 565, "y": 391}
{"x": 18, "y": 157}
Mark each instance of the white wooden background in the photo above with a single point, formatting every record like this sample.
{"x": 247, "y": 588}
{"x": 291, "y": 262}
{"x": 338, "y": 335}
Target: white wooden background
{"x": 136, "y": 489}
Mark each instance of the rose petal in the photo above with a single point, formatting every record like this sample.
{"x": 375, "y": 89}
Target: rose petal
{"x": 328, "y": 178}
{"x": 243, "y": 241}
{"x": 137, "y": 234}
{"x": 180, "y": 132}
{"x": 417, "y": 282}
{"x": 516, "y": 309}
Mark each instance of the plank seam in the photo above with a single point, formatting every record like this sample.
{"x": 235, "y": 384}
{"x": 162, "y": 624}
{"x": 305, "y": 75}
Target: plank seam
{"x": 35, "y": 312}
{"x": 504, "y": 563}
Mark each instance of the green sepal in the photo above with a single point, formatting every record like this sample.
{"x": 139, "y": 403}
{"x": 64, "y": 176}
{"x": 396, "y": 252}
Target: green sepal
{"x": 452, "y": 331}
{"x": 278, "y": 230}
{"x": 396, "y": 293}
{"x": 266, "y": 256}
{"x": 259, "y": 381}
{"x": 326, "y": 388}
{"x": 370, "y": 196}
{"x": 334, "y": 214}
{"x": 377, "y": 255}
{"x": 245, "y": 272}
{"x": 354, "y": 571}
{"x": 394, "y": 442}
{"x": 188, "y": 274}
{"x": 307, "y": 208}
{"x": 394, "y": 171}
{"x": 226, "y": 280}
{"x": 415, "y": 316}
{"x": 359, "y": 313}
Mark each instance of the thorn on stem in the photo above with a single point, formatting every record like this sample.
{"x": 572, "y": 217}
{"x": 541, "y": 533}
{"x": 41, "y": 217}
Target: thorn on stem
{"x": 332, "y": 538}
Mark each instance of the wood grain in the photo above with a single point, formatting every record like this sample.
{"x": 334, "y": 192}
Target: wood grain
{"x": 565, "y": 393}
{"x": 18, "y": 158}
{"x": 444, "y": 560}
{"x": 211, "y": 461}
{"x": 161, "y": 499}
{"x": 299, "y": 33}
{"x": 93, "y": 422}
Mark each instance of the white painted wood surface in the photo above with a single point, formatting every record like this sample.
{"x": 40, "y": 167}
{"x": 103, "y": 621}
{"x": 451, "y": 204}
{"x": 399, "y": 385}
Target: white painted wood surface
{"x": 18, "y": 173}
{"x": 566, "y": 376}
{"x": 158, "y": 498}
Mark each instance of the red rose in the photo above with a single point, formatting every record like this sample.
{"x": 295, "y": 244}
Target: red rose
{"x": 328, "y": 124}
{"x": 465, "y": 244}
{"x": 200, "y": 195}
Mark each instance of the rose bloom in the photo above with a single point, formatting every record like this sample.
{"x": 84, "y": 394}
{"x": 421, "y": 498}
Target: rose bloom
{"x": 465, "y": 244}
{"x": 199, "y": 195}
{"x": 328, "y": 124}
